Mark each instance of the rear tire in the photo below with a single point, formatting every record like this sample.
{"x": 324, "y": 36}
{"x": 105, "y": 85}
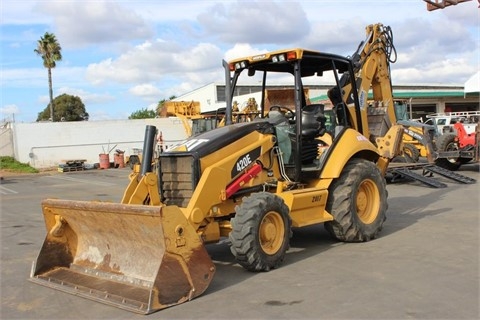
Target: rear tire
{"x": 446, "y": 142}
{"x": 411, "y": 152}
{"x": 261, "y": 231}
{"x": 358, "y": 202}
{"x": 464, "y": 160}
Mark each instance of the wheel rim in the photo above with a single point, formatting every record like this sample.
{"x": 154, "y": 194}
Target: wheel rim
{"x": 408, "y": 152}
{"x": 367, "y": 201}
{"x": 272, "y": 232}
{"x": 452, "y": 147}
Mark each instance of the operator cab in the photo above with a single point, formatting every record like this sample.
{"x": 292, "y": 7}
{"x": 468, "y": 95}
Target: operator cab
{"x": 313, "y": 107}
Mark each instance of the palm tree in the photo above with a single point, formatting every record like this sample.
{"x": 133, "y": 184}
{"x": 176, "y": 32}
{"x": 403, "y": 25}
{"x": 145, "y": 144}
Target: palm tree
{"x": 50, "y": 51}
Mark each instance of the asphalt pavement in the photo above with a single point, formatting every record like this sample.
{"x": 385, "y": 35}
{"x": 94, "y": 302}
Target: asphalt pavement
{"x": 424, "y": 265}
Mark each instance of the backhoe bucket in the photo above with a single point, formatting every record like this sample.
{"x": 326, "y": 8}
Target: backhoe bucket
{"x": 135, "y": 257}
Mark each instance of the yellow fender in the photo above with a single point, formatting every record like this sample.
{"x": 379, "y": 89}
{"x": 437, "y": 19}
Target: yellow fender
{"x": 351, "y": 143}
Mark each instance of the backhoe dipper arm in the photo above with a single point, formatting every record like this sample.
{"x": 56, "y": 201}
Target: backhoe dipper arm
{"x": 372, "y": 71}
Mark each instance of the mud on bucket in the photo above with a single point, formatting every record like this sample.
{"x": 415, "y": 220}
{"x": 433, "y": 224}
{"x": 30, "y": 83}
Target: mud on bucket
{"x": 104, "y": 159}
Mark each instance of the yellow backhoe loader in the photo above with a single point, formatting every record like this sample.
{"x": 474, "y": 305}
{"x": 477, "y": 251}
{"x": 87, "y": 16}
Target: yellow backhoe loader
{"x": 418, "y": 137}
{"x": 250, "y": 182}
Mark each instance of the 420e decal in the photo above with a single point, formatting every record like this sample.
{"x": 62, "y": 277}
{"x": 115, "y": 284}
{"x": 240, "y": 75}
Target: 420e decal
{"x": 244, "y": 161}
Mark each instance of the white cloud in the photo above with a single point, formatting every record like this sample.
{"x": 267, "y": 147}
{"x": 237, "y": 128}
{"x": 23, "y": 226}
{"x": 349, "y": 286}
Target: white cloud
{"x": 466, "y": 13}
{"x": 255, "y": 21}
{"x": 37, "y": 77}
{"x": 9, "y": 109}
{"x": 23, "y": 77}
{"x": 95, "y": 22}
{"x": 340, "y": 37}
{"x": 22, "y": 13}
{"x": 242, "y": 50}
{"x": 436, "y": 72}
{"x": 153, "y": 61}
{"x": 43, "y": 100}
{"x": 145, "y": 90}
{"x": 87, "y": 98}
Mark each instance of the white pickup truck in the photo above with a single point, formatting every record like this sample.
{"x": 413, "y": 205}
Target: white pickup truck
{"x": 445, "y": 121}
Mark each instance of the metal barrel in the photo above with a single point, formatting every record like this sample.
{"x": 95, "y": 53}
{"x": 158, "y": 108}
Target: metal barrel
{"x": 135, "y": 257}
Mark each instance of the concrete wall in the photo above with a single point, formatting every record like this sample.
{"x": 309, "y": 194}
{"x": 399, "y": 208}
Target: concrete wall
{"x": 48, "y": 144}
{"x": 6, "y": 140}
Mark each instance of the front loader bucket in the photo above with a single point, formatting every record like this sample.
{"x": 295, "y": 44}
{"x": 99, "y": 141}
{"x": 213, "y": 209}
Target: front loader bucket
{"x": 135, "y": 257}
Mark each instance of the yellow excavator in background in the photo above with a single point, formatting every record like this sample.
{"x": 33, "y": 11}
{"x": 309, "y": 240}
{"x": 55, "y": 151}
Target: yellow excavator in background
{"x": 251, "y": 182}
{"x": 245, "y": 113}
{"x": 214, "y": 119}
{"x": 195, "y": 122}
{"x": 418, "y": 137}
{"x": 186, "y": 111}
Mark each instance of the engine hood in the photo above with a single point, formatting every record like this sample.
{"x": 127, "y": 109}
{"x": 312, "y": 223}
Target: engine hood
{"x": 213, "y": 140}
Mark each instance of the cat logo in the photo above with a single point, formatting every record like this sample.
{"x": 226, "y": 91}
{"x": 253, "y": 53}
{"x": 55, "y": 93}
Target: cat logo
{"x": 187, "y": 145}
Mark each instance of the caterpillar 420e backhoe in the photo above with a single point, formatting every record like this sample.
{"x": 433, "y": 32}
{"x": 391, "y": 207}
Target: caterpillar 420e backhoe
{"x": 252, "y": 182}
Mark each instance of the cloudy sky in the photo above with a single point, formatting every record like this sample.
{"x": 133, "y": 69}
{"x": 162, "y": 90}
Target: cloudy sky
{"x": 123, "y": 56}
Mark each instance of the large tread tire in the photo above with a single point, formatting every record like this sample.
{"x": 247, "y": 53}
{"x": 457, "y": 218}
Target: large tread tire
{"x": 358, "y": 202}
{"x": 261, "y": 232}
{"x": 446, "y": 142}
{"x": 411, "y": 152}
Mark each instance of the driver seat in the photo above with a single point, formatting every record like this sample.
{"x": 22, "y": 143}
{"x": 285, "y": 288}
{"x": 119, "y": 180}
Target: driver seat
{"x": 313, "y": 125}
{"x": 313, "y": 121}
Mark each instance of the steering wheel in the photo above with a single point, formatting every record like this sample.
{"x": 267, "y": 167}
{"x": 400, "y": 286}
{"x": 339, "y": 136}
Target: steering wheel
{"x": 287, "y": 112}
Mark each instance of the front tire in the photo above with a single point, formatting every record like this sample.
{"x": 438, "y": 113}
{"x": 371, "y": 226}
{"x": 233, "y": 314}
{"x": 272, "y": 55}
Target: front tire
{"x": 358, "y": 202}
{"x": 261, "y": 232}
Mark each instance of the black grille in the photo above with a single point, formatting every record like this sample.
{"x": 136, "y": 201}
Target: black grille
{"x": 177, "y": 180}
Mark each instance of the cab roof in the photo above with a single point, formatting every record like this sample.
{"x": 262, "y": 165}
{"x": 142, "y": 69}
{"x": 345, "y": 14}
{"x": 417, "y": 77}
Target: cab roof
{"x": 313, "y": 62}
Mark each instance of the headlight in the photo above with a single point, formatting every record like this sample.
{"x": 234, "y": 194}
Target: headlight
{"x": 278, "y": 58}
{"x": 240, "y": 65}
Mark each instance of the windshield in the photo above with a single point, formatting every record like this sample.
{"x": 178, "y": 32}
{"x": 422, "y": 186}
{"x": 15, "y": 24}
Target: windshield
{"x": 282, "y": 91}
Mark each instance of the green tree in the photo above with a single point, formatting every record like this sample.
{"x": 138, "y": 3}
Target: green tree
{"x": 67, "y": 108}
{"x": 51, "y": 52}
{"x": 143, "y": 114}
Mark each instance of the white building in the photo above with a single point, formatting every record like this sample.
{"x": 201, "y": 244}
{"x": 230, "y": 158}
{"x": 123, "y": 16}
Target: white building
{"x": 424, "y": 99}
